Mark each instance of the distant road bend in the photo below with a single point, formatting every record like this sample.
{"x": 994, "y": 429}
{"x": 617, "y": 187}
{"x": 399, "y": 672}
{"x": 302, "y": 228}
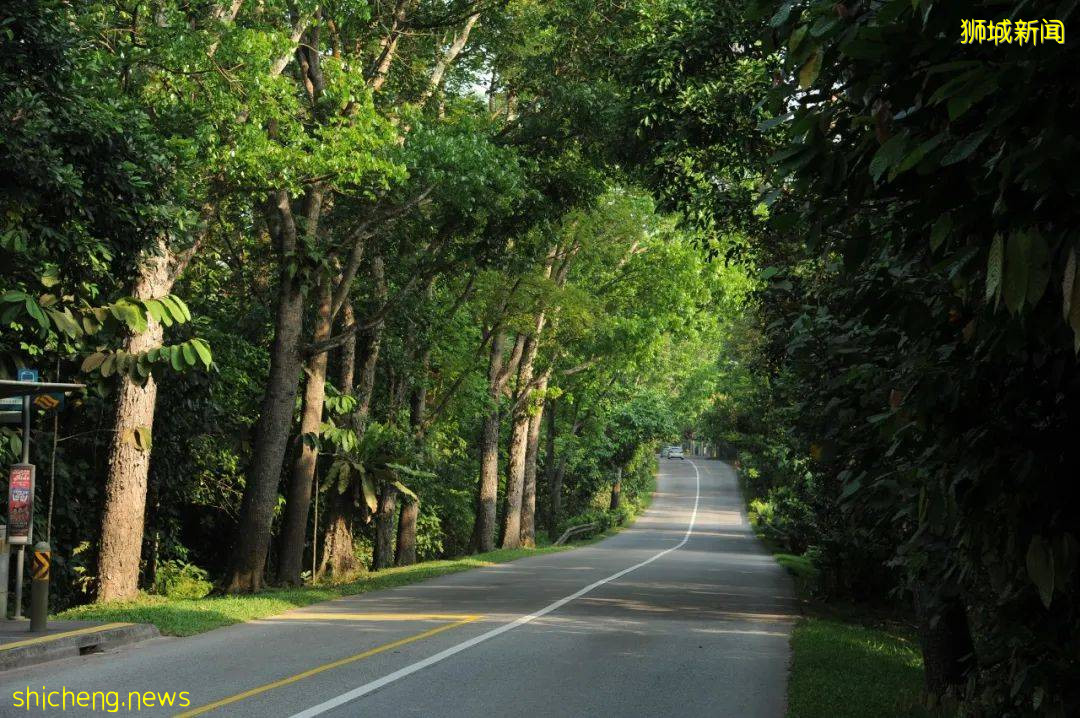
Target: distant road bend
{"x": 684, "y": 614}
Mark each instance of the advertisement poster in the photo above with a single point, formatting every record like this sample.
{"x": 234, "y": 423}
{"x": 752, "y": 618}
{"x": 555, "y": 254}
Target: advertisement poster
{"x": 20, "y": 503}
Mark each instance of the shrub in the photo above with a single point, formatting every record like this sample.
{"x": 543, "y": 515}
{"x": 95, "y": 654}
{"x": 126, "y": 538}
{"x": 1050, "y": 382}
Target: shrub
{"x": 177, "y": 579}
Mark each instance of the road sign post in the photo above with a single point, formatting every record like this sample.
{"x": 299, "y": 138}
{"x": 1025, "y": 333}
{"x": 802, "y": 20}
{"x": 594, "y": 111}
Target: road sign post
{"x": 20, "y": 528}
{"x": 3, "y": 572}
{"x": 39, "y": 586}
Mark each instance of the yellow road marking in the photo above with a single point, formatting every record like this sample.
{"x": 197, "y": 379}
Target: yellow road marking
{"x": 315, "y": 616}
{"x": 57, "y": 636}
{"x": 324, "y": 667}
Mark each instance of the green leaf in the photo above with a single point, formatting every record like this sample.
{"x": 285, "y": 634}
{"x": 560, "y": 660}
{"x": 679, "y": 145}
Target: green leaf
{"x": 182, "y": 306}
{"x": 130, "y": 314}
{"x": 65, "y": 322}
{"x": 940, "y": 232}
{"x": 158, "y": 311}
{"x": 34, "y": 311}
{"x": 887, "y": 155}
{"x": 14, "y": 296}
{"x": 93, "y": 362}
{"x": 108, "y": 367}
{"x": 808, "y": 73}
{"x": 1017, "y": 271}
{"x": 796, "y": 37}
{"x": 189, "y": 353}
{"x": 963, "y": 149}
{"x": 405, "y": 491}
{"x": 1040, "y": 568}
{"x": 1073, "y": 302}
{"x": 371, "y": 496}
{"x": 143, "y": 438}
{"x": 176, "y": 358}
{"x": 203, "y": 350}
{"x": 993, "y": 269}
{"x": 781, "y": 15}
{"x": 175, "y": 310}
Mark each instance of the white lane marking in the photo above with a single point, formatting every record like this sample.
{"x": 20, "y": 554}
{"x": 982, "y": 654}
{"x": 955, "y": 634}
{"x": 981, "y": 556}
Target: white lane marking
{"x": 465, "y": 645}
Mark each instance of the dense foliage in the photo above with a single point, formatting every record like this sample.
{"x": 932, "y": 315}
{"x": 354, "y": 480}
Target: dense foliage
{"x": 905, "y": 412}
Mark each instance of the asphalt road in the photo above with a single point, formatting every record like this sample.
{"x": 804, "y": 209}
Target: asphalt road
{"x": 684, "y": 614}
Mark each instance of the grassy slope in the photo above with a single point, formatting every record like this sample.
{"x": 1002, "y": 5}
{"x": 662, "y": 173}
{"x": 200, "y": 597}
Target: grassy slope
{"x": 846, "y": 670}
{"x": 185, "y": 617}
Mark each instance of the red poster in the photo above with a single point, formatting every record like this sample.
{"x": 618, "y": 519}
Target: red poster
{"x": 20, "y": 502}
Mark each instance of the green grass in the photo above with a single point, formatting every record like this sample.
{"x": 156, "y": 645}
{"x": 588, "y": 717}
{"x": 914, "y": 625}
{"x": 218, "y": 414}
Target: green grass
{"x": 186, "y": 617}
{"x": 847, "y": 670}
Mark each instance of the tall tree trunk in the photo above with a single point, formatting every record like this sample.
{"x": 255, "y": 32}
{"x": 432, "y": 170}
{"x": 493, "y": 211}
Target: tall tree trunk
{"x": 519, "y": 436}
{"x": 616, "y": 490}
{"x": 384, "y": 528}
{"x": 125, "y": 487}
{"x": 405, "y": 551}
{"x": 338, "y": 546}
{"x": 483, "y": 539}
{"x": 252, "y": 542}
{"x": 298, "y": 503}
{"x": 945, "y": 637}
{"x": 532, "y": 450}
{"x": 338, "y": 556}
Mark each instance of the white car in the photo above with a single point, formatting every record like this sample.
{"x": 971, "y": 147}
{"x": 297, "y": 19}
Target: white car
{"x": 675, "y": 452}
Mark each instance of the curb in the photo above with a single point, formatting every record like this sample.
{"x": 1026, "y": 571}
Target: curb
{"x": 107, "y": 636}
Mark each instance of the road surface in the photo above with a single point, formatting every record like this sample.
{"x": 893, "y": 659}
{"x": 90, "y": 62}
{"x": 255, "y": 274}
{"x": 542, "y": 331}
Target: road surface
{"x": 684, "y": 614}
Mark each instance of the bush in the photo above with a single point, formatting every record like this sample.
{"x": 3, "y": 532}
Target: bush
{"x": 785, "y": 519}
{"x": 177, "y": 579}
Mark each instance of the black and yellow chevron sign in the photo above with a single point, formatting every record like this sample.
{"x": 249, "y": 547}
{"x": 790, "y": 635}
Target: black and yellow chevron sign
{"x": 39, "y": 567}
{"x": 46, "y": 402}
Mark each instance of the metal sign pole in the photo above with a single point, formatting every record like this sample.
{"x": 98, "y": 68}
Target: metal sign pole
{"x": 5, "y": 553}
{"x": 20, "y": 557}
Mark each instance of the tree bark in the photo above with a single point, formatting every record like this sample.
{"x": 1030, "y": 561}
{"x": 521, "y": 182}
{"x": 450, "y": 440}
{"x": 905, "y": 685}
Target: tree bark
{"x": 484, "y": 525}
{"x": 338, "y": 552}
{"x": 519, "y": 436}
{"x": 616, "y": 490}
{"x": 405, "y": 551}
{"x": 384, "y": 528}
{"x": 252, "y": 542}
{"x": 451, "y": 53}
{"x": 388, "y": 45}
{"x": 532, "y": 450}
{"x": 298, "y": 504}
{"x": 123, "y": 521}
{"x": 483, "y": 538}
{"x": 945, "y": 638}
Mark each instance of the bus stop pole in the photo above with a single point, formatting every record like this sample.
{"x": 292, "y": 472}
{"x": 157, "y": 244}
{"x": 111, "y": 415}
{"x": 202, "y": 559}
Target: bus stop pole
{"x": 20, "y": 557}
{"x": 4, "y": 555}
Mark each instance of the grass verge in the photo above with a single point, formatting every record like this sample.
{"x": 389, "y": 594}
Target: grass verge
{"x": 186, "y": 617}
{"x": 843, "y": 669}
